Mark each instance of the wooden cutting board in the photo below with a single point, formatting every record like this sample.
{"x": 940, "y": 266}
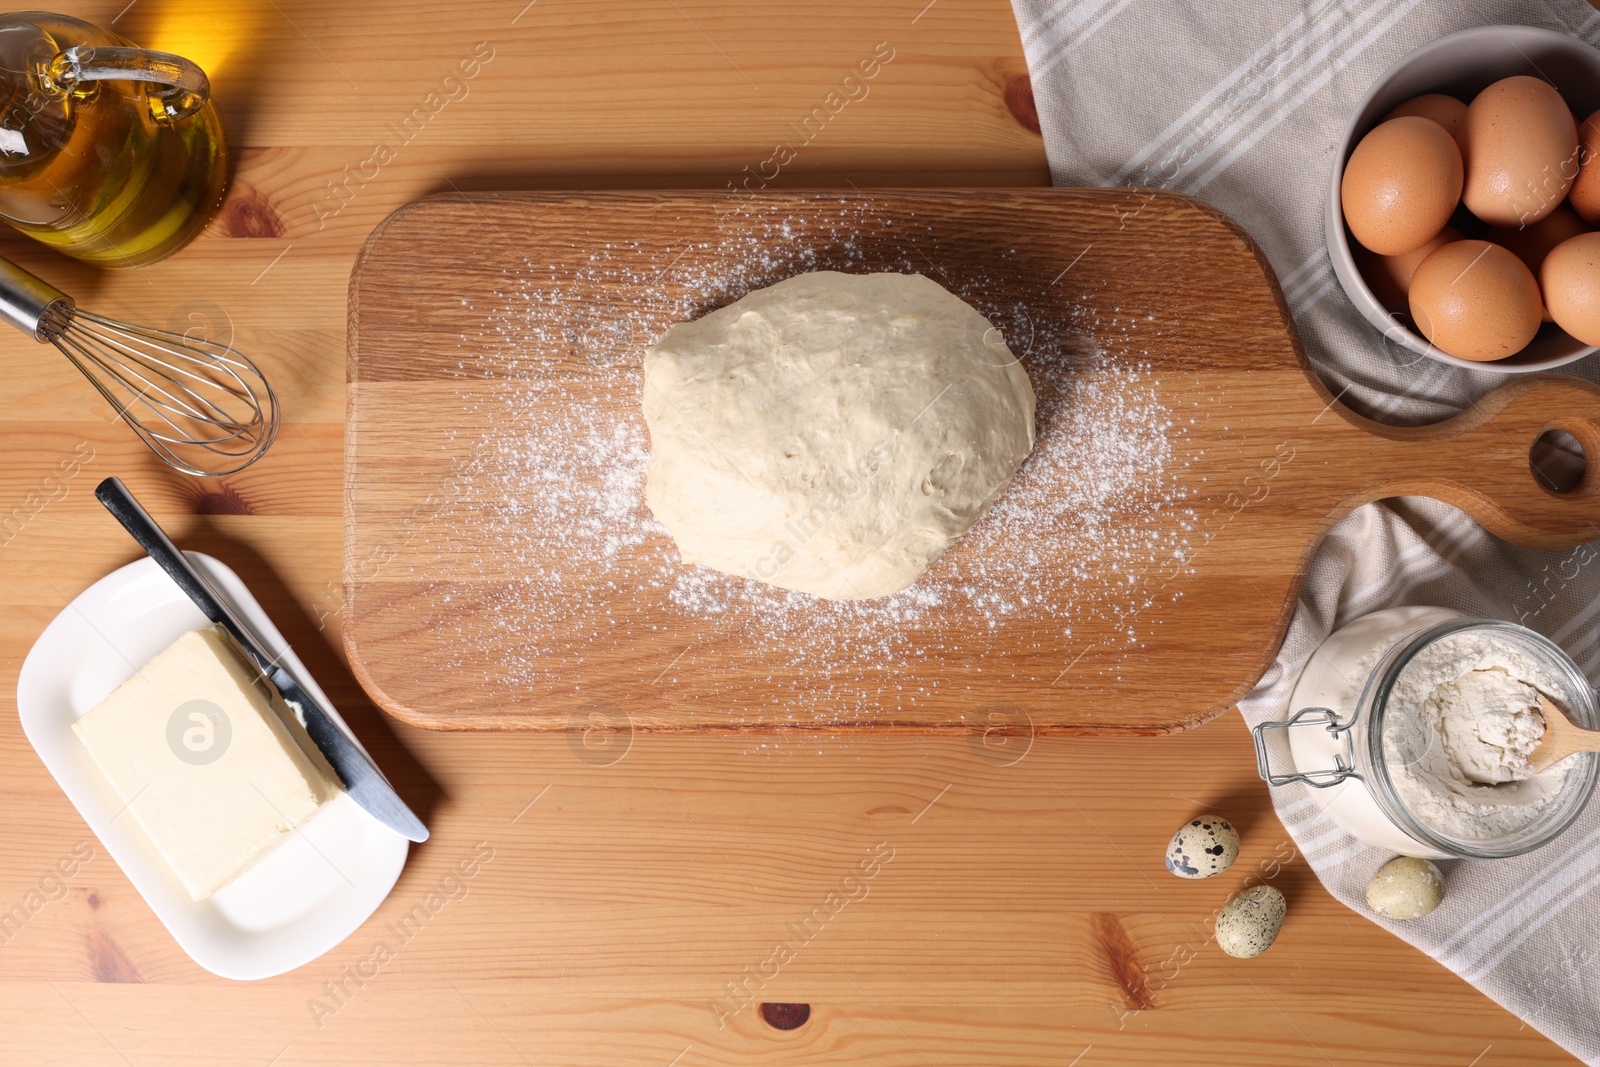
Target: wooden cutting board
{"x": 501, "y": 571}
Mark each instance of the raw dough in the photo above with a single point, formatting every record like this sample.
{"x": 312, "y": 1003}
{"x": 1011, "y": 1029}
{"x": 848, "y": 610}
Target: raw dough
{"x": 833, "y": 433}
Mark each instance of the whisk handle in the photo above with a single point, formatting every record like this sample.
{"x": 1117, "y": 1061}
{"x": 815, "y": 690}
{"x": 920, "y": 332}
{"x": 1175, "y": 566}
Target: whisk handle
{"x": 25, "y": 298}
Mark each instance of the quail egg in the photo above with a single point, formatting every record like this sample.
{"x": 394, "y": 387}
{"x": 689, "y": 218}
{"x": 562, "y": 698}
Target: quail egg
{"x": 1249, "y": 923}
{"x": 1202, "y": 847}
{"x": 1405, "y": 888}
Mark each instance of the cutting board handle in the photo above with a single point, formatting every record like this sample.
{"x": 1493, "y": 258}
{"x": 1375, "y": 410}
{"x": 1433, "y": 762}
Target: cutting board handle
{"x": 1479, "y": 461}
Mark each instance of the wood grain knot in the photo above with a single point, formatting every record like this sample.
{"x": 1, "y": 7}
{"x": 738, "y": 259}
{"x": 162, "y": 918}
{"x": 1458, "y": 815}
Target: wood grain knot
{"x": 1019, "y": 101}
{"x": 248, "y": 215}
{"x": 107, "y": 962}
{"x": 785, "y": 1016}
{"x": 223, "y": 500}
{"x": 94, "y": 901}
{"x": 1122, "y": 958}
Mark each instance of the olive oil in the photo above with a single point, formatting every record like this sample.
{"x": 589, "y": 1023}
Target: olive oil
{"x": 97, "y": 168}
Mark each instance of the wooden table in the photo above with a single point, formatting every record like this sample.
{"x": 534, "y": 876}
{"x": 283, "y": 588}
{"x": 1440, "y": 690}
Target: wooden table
{"x": 1017, "y": 911}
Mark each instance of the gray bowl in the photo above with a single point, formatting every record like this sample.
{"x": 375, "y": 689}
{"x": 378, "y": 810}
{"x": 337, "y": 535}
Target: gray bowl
{"x": 1462, "y": 65}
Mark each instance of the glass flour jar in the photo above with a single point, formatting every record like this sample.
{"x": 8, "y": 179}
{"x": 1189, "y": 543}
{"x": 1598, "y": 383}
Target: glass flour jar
{"x": 1360, "y": 735}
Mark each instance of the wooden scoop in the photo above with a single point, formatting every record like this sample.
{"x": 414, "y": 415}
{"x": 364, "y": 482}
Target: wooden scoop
{"x": 1562, "y": 738}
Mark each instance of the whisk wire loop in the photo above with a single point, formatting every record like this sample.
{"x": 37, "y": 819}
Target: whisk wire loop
{"x": 194, "y": 402}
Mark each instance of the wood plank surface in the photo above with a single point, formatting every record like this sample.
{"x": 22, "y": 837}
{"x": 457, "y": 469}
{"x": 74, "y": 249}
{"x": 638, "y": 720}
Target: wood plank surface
{"x": 1024, "y": 917}
{"x": 502, "y": 569}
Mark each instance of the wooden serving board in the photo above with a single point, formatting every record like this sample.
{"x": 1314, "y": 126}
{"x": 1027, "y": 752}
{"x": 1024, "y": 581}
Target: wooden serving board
{"x": 501, "y": 570}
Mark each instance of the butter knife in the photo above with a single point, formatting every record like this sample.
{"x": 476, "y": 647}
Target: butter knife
{"x": 362, "y": 780}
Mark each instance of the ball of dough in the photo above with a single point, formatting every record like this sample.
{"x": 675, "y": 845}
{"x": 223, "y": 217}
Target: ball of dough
{"x": 1405, "y": 888}
{"x": 833, "y": 433}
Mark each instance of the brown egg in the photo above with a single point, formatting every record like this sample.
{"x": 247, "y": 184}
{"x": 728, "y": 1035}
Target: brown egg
{"x": 1447, "y": 111}
{"x": 1521, "y": 146}
{"x": 1389, "y": 277}
{"x": 1533, "y": 242}
{"x": 1401, "y": 184}
{"x": 1475, "y": 300}
{"x": 1571, "y": 279}
{"x": 1586, "y": 189}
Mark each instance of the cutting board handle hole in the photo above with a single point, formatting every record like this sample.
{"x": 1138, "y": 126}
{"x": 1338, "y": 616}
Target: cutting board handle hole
{"x": 1559, "y": 458}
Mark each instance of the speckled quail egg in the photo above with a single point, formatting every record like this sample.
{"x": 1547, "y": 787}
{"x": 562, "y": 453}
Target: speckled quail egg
{"x": 1202, "y": 847}
{"x": 1405, "y": 888}
{"x": 1249, "y": 923}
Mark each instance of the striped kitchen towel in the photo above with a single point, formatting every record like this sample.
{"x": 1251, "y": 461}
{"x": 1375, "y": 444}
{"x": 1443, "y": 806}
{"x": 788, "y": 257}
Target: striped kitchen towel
{"x": 1243, "y": 105}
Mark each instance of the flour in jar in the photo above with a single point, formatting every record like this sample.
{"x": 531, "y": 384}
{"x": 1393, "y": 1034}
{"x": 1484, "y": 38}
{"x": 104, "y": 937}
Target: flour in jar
{"x": 1459, "y": 726}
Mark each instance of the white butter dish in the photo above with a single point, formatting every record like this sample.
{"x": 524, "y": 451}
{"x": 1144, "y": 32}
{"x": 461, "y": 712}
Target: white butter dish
{"x": 299, "y": 900}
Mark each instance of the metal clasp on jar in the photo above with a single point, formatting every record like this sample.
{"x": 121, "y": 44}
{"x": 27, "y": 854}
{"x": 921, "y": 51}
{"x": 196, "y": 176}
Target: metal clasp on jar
{"x": 1343, "y": 763}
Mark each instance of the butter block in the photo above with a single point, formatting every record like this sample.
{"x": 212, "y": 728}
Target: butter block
{"x": 200, "y": 750}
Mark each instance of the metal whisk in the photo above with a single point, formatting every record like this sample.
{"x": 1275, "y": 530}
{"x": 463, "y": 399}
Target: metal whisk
{"x": 203, "y": 407}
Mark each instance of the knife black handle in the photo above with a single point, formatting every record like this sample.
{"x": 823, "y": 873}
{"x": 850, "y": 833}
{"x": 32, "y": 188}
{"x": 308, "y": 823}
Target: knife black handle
{"x": 154, "y": 540}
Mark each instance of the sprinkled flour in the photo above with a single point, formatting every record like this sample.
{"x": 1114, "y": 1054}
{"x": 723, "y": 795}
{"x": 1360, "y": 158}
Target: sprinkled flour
{"x": 561, "y": 486}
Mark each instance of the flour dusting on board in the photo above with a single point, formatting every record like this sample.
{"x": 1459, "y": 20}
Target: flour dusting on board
{"x": 561, "y": 487}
